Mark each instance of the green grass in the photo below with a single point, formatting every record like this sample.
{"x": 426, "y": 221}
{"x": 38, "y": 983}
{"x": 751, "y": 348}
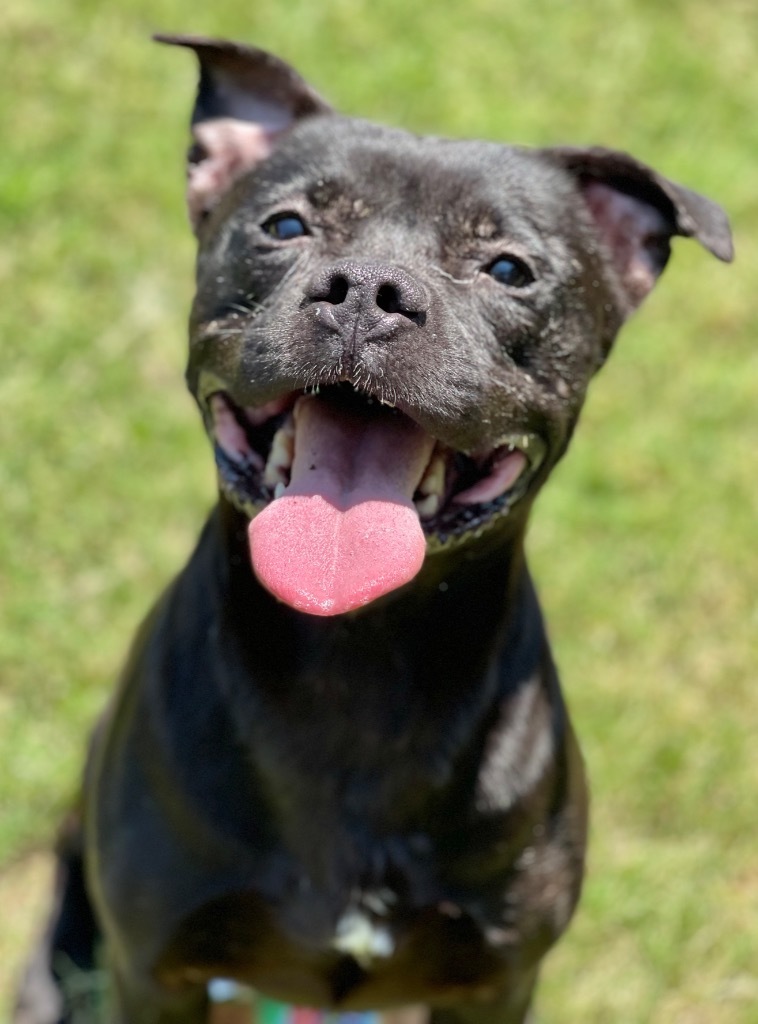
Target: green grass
{"x": 644, "y": 544}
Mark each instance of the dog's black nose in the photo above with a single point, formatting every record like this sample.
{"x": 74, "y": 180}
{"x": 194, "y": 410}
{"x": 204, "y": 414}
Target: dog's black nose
{"x": 377, "y": 295}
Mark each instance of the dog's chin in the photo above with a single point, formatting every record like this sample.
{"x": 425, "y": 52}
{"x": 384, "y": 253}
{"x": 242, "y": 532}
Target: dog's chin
{"x": 457, "y": 496}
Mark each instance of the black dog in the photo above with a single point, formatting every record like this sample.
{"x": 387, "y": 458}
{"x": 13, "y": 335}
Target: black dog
{"x": 339, "y": 768}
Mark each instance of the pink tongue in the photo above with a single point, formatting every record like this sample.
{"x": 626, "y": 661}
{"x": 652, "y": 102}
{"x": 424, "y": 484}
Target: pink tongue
{"x": 345, "y": 531}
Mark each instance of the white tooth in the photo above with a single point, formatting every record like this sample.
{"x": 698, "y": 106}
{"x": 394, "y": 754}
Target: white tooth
{"x": 428, "y": 506}
{"x": 284, "y": 440}
{"x": 274, "y": 476}
{"x": 280, "y": 489}
{"x": 433, "y": 480}
{"x": 280, "y": 457}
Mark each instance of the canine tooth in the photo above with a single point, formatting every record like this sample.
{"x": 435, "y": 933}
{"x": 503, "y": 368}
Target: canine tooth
{"x": 428, "y": 506}
{"x": 433, "y": 480}
{"x": 280, "y": 489}
{"x": 275, "y": 476}
{"x": 282, "y": 449}
{"x": 281, "y": 455}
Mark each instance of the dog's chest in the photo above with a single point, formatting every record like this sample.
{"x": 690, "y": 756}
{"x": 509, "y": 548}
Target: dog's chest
{"x": 376, "y": 952}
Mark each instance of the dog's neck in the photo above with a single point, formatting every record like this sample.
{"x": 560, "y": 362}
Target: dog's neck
{"x": 338, "y": 677}
{"x": 333, "y": 715}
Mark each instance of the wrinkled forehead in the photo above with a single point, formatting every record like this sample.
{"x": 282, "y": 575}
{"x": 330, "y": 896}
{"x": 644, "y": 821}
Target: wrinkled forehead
{"x": 480, "y": 189}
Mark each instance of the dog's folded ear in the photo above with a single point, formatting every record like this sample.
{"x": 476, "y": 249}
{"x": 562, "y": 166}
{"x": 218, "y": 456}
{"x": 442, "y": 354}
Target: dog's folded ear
{"x": 246, "y": 99}
{"x": 637, "y": 211}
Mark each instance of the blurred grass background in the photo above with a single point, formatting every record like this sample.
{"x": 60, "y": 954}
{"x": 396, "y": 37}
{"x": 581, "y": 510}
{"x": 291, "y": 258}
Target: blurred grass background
{"x": 644, "y": 544}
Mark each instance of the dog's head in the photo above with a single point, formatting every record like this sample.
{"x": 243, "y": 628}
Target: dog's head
{"x": 393, "y": 335}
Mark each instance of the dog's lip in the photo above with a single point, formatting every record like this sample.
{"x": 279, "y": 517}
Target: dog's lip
{"x": 457, "y": 494}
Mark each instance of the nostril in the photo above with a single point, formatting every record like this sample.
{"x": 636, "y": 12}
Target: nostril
{"x": 407, "y": 301}
{"x": 334, "y": 290}
{"x": 338, "y": 289}
{"x": 388, "y": 299}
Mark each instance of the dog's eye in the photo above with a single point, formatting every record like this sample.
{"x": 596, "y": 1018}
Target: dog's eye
{"x": 512, "y": 271}
{"x": 285, "y": 226}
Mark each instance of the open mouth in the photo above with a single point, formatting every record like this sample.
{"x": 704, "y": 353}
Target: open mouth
{"x": 455, "y": 494}
{"x": 347, "y": 495}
